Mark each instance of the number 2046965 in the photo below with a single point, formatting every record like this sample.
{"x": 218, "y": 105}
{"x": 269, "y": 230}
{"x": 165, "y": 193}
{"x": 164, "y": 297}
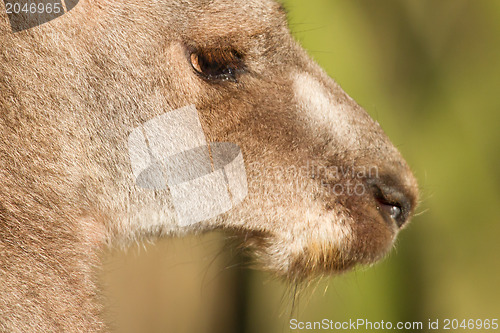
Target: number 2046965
{"x": 470, "y": 324}
{"x": 33, "y": 8}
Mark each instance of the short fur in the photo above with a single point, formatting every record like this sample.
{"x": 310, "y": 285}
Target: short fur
{"x": 71, "y": 90}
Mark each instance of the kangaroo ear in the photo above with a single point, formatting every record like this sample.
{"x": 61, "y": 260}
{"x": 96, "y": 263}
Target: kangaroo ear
{"x": 25, "y": 14}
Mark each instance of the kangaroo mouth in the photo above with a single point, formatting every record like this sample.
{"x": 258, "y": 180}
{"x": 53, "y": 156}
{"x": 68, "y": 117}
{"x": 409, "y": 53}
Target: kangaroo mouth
{"x": 330, "y": 227}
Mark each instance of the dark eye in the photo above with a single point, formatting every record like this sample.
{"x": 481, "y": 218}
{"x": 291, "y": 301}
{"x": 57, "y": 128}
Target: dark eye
{"x": 217, "y": 64}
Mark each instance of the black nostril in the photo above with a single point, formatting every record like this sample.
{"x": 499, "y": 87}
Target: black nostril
{"x": 393, "y": 210}
{"x": 391, "y": 200}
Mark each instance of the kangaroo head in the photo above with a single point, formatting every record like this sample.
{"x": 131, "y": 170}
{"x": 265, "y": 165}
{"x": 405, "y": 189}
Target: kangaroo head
{"x": 326, "y": 188}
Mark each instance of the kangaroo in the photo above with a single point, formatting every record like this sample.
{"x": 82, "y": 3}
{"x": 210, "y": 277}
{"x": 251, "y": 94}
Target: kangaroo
{"x": 327, "y": 190}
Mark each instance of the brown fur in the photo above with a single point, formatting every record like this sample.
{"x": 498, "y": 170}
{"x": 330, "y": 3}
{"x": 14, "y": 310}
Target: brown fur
{"x": 71, "y": 91}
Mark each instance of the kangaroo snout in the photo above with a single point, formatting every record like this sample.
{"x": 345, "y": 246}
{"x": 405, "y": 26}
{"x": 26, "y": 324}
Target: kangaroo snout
{"x": 333, "y": 190}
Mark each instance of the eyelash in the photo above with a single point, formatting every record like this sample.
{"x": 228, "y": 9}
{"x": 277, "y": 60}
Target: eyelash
{"x": 217, "y": 64}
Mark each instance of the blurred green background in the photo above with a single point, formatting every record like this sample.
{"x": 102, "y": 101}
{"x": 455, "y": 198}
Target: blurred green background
{"x": 429, "y": 72}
